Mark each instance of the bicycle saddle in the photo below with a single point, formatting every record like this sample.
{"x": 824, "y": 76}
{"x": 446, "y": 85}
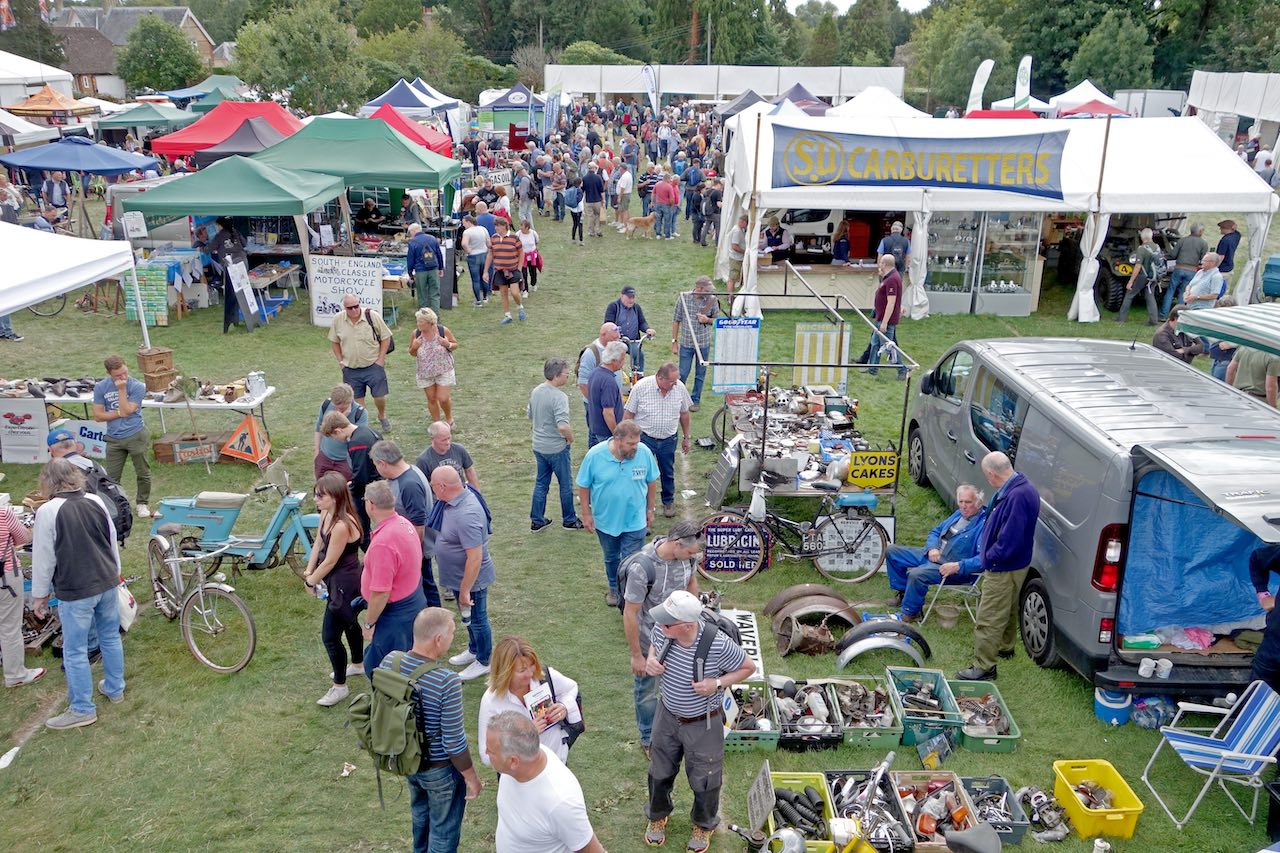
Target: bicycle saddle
{"x": 981, "y": 839}
{"x": 170, "y": 529}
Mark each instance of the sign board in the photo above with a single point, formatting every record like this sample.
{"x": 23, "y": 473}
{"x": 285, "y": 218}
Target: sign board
{"x": 499, "y": 176}
{"x": 737, "y": 340}
{"x": 731, "y": 547}
{"x": 760, "y": 799}
{"x": 24, "y": 428}
{"x": 135, "y": 224}
{"x": 334, "y": 278}
{"x": 247, "y": 443}
{"x": 873, "y": 469}
{"x": 91, "y": 434}
{"x": 749, "y": 635}
{"x": 326, "y": 235}
{"x": 821, "y": 343}
{"x": 245, "y": 297}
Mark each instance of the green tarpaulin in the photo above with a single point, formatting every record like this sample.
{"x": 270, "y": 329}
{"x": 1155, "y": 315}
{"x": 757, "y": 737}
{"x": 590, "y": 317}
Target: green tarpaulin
{"x": 149, "y": 115}
{"x": 1253, "y": 326}
{"x": 363, "y": 153}
{"x": 238, "y": 186}
{"x": 214, "y": 98}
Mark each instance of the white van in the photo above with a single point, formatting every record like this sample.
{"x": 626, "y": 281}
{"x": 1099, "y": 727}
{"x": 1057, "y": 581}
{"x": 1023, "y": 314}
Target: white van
{"x": 160, "y": 231}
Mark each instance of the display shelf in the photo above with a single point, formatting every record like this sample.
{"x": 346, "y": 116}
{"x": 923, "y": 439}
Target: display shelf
{"x": 1005, "y": 279}
{"x": 953, "y": 242}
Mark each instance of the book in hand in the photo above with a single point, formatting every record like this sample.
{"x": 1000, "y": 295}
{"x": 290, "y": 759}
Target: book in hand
{"x": 538, "y": 700}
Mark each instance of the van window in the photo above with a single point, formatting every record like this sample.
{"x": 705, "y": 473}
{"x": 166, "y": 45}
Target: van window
{"x": 996, "y": 413}
{"x": 1067, "y": 475}
{"x": 951, "y": 379}
{"x": 806, "y": 214}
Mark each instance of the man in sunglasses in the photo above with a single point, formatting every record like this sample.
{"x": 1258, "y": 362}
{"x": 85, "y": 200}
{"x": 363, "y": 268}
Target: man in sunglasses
{"x": 360, "y": 339}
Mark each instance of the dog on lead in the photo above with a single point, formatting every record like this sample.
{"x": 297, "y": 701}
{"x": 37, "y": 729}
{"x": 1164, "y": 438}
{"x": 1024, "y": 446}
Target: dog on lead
{"x": 641, "y": 224}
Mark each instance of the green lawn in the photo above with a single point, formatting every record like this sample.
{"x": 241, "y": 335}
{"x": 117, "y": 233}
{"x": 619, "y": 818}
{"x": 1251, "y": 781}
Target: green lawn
{"x": 193, "y": 760}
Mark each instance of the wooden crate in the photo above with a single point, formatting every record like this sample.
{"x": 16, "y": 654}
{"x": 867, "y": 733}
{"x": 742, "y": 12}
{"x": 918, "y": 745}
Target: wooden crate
{"x": 183, "y": 448}
{"x": 155, "y": 360}
{"x": 159, "y": 381}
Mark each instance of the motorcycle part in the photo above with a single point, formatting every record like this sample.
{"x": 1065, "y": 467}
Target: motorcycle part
{"x": 878, "y": 642}
{"x": 884, "y": 626}
{"x": 800, "y": 590}
{"x": 794, "y": 636}
{"x": 816, "y": 605}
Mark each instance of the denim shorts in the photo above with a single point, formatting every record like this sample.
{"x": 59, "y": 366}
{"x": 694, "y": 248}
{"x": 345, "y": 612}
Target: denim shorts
{"x": 373, "y": 377}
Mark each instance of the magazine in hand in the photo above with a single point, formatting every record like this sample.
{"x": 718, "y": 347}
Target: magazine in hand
{"x": 538, "y": 700}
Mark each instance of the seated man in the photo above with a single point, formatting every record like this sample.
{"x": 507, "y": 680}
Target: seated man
{"x": 368, "y": 218}
{"x": 913, "y": 570}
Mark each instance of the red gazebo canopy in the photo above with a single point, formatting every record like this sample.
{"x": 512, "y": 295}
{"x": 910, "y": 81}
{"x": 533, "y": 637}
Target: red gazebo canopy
{"x": 222, "y": 121}
{"x": 430, "y": 139}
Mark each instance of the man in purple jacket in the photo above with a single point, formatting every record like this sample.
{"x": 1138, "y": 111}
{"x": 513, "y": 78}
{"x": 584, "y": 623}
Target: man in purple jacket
{"x": 1004, "y": 554}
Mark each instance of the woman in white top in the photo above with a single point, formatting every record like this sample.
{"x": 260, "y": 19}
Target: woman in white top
{"x": 515, "y": 672}
{"x": 532, "y": 260}
{"x": 475, "y": 243}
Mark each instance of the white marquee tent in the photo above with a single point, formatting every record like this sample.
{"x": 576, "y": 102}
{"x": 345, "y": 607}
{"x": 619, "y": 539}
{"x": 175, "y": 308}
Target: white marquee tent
{"x": 1220, "y": 182}
{"x": 21, "y": 77}
{"x": 40, "y": 266}
{"x": 721, "y": 81}
{"x": 1033, "y": 103}
{"x": 876, "y": 102}
{"x": 18, "y": 132}
{"x": 1081, "y": 93}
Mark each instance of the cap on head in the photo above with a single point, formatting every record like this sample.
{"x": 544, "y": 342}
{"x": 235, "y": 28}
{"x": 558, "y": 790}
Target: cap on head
{"x": 628, "y": 291}
{"x": 59, "y": 435}
{"x": 896, "y": 228}
{"x": 680, "y": 606}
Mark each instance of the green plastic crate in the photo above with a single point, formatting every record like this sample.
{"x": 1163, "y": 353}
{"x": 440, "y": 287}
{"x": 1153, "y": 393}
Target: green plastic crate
{"x": 919, "y": 728}
{"x": 986, "y": 743}
{"x": 738, "y": 741}
{"x": 879, "y": 737}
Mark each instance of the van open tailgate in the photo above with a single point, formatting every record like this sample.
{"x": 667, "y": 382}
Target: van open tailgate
{"x": 1237, "y": 476}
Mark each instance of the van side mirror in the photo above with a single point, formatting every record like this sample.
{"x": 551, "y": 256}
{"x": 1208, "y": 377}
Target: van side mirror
{"x": 927, "y": 384}
{"x": 830, "y": 228}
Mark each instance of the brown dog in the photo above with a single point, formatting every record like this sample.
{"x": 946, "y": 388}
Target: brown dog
{"x": 641, "y": 223}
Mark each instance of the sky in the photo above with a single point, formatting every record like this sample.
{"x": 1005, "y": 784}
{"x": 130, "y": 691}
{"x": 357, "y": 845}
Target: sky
{"x": 842, "y": 5}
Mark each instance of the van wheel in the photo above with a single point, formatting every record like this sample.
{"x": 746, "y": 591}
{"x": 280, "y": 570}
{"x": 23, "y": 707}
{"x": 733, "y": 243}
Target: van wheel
{"x": 1036, "y": 622}
{"x": 915, "y": 458}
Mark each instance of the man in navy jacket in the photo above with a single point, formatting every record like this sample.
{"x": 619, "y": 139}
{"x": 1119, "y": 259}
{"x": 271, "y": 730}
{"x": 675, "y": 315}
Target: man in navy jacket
{"x": 1004, "y": 554}
{"x": 913, "y": 570}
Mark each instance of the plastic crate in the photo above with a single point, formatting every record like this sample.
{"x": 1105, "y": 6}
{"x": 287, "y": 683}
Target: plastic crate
{"x": 1119, "y": 821}
{"x": 757, "y": 741}
{"x": 793, "y": 739}
{"x": 876, "y": 737}
{"x": 1010, "y": 832}
{"x": 895, "y": 806}
{"x": 986, "y": 743}
{"x": 919, "y": 728}
{"x": 797, "y": 783}
{"x": 904, "y": 778}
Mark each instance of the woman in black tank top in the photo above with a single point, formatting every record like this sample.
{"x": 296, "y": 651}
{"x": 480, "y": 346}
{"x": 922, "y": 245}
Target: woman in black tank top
{"x": 335, "y": 561}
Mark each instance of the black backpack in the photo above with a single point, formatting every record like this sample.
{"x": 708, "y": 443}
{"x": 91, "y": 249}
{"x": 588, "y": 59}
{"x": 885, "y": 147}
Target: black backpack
{"x": 572, "y": 731}
{"x": 713, "y": 623}
{"x": 98, "y": 483}
{"x": 637, "y": 562}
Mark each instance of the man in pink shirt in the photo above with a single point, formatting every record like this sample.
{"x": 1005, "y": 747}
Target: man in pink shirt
{"x": 666, "y": 200}
{"x": 392, "y": 579}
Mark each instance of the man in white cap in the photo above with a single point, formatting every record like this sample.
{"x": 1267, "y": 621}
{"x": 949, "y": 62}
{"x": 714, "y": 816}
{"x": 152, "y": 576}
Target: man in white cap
{"x": 693, "y": 661}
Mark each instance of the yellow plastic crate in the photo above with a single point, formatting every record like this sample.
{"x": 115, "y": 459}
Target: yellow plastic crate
{"x": 797, "y": 782}
{"x": 1119, "y": 821}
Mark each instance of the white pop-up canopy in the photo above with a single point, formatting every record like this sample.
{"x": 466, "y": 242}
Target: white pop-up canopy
{"x": 1082, "y": 93}
{"x": 1033, "y": 103}
{"x": 1094, "y": 167}
{"x": 876, "y": 102}
{"x": 40, "y": 266}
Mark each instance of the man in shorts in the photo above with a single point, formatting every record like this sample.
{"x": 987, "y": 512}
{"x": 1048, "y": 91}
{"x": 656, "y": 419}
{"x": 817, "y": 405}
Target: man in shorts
{"x": 625, "y": 184}
{"x": 360, "y": 339}
{"x": 504, "y": 268}
{"x": 737, "y": 251}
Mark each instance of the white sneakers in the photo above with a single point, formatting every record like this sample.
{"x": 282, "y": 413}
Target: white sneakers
{"x": 31, "y": 676}
{"x": 335, "y": 695}
{"x": 352, "y": 669}
{"x": 474, "y": 670}
{"x": 144, "y": 511}
{"x": 462, "y": 658}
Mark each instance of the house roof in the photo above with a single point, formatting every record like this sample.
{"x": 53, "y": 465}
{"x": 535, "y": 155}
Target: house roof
{"x": 225, "y": 52}
{"x": 88, "y": 51}
{"x": 116, "y": 23}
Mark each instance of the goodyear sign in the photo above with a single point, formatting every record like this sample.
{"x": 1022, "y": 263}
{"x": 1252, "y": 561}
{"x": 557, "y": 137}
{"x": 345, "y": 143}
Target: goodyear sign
{"x": 873, "y": 469}
{"x": 1029, "y": 164}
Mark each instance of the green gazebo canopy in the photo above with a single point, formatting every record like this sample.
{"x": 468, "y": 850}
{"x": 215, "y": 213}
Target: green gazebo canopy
{"x": 364, "y": 154}
{"x": 215, "y": 97}
{"x": 238, "y": 186}
{"x": 219, "y": 81}
{"x": 149, "y": 115}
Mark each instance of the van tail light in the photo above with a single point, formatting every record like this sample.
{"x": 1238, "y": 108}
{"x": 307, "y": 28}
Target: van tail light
{"x": 1106, "y": 629}
{"x": 1106, "y": 566}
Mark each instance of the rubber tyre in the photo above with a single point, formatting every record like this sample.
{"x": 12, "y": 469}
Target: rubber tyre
{"x": 51, "y": 307}
{"x": 884, "y": 626}
{"x": 293, "y": 557}
{"x": 165, "y": 595}
{"x": 229, "y": 615}
{"x": 1109, "y": 289}
{"x": 915, "y": 458}
{"x": 720, "y": 425}
{"x": 867, "y": 558}
{"x": 749, "y": 547}
{"x": 1035, "y": 623}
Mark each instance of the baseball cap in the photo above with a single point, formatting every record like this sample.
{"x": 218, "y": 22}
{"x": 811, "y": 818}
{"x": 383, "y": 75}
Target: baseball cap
{"x": 59, "y": 435}
{"x": 680, "y": 606}
{"x": 628, "y": 291}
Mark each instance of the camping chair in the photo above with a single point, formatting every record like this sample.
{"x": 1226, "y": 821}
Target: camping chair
{"x": 1238, "y": 750}
{"x": 969, "y": 594}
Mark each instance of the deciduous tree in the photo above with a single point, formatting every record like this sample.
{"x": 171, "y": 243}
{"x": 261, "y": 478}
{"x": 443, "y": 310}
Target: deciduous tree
{"x": 305, "y": 54}
{"x": 824, "y": 42}
{"x": 467, "y": 76}
{"x": 158, "y": 56}
{"x": 1116, "y": 54}
{"x": 383, "y": 16}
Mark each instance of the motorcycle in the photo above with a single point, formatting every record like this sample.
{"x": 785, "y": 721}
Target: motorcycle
{"x": 288, "y": 537}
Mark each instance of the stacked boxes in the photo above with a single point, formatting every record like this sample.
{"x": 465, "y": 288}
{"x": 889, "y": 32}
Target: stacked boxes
{"x": 157, "y": 367}
{"x": 153, "y": 285}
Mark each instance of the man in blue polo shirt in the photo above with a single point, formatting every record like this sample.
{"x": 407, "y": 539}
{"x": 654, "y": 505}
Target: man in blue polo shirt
{"x": 485, "y": 219}
{"x": 604, "y": 398}
{"x": 117, "y": 402}
{"x": 617, "y": 485}
{"x": 424, "y": 262}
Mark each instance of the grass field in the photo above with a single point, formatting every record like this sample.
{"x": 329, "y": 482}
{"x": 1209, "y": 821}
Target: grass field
{"x": 197, "y": 761}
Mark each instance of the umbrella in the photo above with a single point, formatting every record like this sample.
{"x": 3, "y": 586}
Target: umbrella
{"x": 77, "y": 154}
{"x": 50, "y": 103}
{"x": 1093, "y": 108}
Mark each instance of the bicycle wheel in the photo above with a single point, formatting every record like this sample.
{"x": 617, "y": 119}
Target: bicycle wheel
{"x": 168, "y": 596}
{"x": 735, "y": 547}
{"x": 720, "y": 425}
{"x": 852, "y": 547}
{"x": 294, "y": 558}
{"x": 49, "y": 307}
{"x": 218, "y": 629}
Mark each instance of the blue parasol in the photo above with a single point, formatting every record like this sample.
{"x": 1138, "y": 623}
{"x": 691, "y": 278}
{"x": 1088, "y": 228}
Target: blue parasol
{"x": 73, "y": 154}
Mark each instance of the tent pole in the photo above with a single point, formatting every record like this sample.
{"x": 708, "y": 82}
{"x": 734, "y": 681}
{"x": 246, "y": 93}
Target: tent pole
{"x": 346, "y": 220}
{"x": 1102, "y": 167}
{"x": 84, "y": 207}
{"x": 137, "y": 303}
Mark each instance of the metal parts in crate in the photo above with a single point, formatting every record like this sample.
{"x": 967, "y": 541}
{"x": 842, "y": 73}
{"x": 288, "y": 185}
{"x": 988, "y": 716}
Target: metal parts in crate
{"x": 982, "y": 715}
{"x": 861, "y": 707}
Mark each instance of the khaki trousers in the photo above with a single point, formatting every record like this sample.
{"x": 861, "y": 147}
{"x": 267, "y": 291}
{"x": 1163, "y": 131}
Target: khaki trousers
{"x": 996, "y": 627}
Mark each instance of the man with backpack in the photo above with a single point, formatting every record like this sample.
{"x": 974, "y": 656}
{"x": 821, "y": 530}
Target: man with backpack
{"x": 646, "y": 578}
{"x": 330, "y": 453}
{"x": 898, "y": 246}
{"x": 693, "y": 661}
{"x": 64, "y": 445}
{"x": 445, "y": 777}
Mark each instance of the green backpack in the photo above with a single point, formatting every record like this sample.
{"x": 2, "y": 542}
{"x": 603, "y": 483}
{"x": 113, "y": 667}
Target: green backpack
{"x": 385, "y": 722}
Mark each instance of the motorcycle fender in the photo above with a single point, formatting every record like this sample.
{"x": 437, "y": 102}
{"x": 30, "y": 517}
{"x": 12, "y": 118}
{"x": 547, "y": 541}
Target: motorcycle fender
{"x": 876, "y": 643}
{"x": 161, "y": 541}
{"x": 819, "y": 605}
{"x": 884, "y": 626}
{"x": 800, "y": 590}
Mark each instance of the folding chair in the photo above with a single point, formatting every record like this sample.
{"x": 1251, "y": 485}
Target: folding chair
{"x": 969, "y": 594}
{"x": 1237, "y": 750}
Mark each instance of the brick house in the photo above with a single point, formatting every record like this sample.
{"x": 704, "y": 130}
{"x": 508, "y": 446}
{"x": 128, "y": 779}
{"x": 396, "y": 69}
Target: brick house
{"x": 91, "y": 59}
{"x": 116, "y": 22}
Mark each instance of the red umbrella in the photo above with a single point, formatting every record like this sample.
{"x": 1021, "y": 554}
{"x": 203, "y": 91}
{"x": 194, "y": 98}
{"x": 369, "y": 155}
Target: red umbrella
{"x": 1094, "y": 108}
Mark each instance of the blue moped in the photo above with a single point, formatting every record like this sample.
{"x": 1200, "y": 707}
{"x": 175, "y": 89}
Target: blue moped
{"x": 288, "y": 536}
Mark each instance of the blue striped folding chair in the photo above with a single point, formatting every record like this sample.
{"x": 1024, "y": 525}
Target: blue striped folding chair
{"x": 1237, "y": 750}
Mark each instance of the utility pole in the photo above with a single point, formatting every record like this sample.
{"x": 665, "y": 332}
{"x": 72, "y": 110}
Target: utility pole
{"x": 540, "y": 35}
{"x": 708, "y": 37}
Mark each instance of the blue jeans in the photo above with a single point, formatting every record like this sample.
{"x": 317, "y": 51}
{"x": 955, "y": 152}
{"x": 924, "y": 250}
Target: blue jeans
{"x": 479, "y": 633}
{"x": 666, "y": 220}
{"x": 873, "y": 352}
{"x": 559, "y": 465}
{"x": 616, "y": 549}
{"x": 690, "y": 199}
{"x": 475, "y": 267}
{"x": 1178, "y": 280}
{"x": 689, "y": 361}
{"x": 393, "y": 631}
{"x": 664, "y": 450}
{"x": 97, "y": 611}
{"x": 1219, "y": 370}
{"x": 557, "y": 206}
{"x": 437, "y": 800}
{"x": 6, "y": 325}
{"x": 911, "y": 573}
{"x": 637, "y": 354}
{"x": 646, "y": 201}
{"x": 646, "y": 697}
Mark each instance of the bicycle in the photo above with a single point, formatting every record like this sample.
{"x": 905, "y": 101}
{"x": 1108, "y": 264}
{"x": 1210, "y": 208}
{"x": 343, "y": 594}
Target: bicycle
{"x": 631, "y": 376}
{"x": 50, "y": 307}
{"x": 215, "y": 622}
{"x": 847, "y": 548}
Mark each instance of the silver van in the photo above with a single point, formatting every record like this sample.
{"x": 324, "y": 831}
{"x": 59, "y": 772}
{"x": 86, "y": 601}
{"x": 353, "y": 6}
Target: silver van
{"x": 1156, "y": 483}
{"x": 160, "y": 230}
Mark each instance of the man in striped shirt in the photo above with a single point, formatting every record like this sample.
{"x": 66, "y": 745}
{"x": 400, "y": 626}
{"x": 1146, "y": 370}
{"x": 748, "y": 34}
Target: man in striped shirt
{"x": 659, "y": 404}
{"x": 689, "y": 722}
{"x": 503, "y": 268}
{"x": 446, "y": 779}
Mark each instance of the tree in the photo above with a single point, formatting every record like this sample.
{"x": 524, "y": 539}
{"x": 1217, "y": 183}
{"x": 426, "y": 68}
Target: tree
{"x": 158, "y": 56}
{"x": 306, "y": 54}
{"x": 1116, "y": 54}
{"x": 619, "y": 26}
{"x": 770, "y": 46}
{"x": 531, "y": 64}
{"x": 383, "y": 16}
{"x": 467, "y": 76}
{"x": 32, "y": 37}
{"x": 812, "y": 11}
{"x": 1049, "y": 32}
{"x": 418, "y": 51}
{"x": 590, "y": 53}
{"x": 866, "y": 34}
{"x": 824, "y": 44}
{"x": 973, "y": 43}
{"x": 734, "y": 28}
{"x": 222, "y": 19}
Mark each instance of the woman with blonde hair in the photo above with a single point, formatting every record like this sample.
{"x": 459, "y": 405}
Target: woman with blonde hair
{"x": 433, "y": 346}
{"x": 516, "y": 679}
